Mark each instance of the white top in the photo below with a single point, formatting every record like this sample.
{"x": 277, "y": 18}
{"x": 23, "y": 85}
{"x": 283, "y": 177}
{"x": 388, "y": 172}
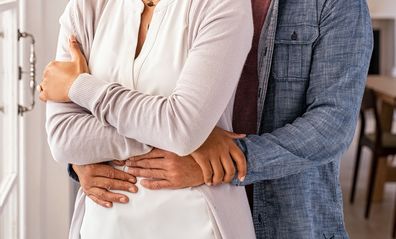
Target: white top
{"x": 176, "y": 91}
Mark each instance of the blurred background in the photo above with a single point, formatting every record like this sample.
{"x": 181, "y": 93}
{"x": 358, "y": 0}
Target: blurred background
{"x": 36, "y": 195}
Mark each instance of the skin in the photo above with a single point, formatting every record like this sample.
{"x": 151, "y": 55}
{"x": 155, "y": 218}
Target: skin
{"x": 98, "y": 179}
{"x": 162, "y": 170}
{"x": 213, "y": 163}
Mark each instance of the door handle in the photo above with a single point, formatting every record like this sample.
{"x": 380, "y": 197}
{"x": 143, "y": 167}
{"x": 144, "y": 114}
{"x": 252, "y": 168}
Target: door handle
{"x": 32, "y": 72}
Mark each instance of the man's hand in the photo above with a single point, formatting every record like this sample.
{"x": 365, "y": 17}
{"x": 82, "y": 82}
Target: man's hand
{"x": 217, "y": 156}
{"x": 163, "y": 169}
{"x": 98, "y": 179}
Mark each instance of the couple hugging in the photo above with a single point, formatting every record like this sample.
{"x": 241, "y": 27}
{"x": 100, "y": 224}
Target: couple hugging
{"x": 144, "y": 97}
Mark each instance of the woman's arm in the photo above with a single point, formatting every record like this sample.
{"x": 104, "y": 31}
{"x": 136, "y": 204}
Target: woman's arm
{"x": 75, "y": 135}
{"x": 181, "y": 122}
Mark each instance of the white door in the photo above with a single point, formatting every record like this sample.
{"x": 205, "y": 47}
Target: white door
{"x": 12, "y": 180}
{"x": 8, "y": 119}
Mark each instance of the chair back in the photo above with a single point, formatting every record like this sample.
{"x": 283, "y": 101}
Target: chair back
{"x": 369, "y": 103}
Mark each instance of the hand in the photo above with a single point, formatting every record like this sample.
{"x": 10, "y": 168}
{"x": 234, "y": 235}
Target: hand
{"x": 217, "y": 155}
{"x": 59, "y": 76}
{"x": 98, "y": 179}
{"x": 163, "y": 169}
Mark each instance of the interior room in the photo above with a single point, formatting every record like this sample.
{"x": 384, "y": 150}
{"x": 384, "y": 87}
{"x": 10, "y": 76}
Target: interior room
{"x": 37, "y": 195}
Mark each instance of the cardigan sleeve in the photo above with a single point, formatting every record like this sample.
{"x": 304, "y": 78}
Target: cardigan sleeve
{"x": 74, "y": 134}
{"x": 182, "y": 121}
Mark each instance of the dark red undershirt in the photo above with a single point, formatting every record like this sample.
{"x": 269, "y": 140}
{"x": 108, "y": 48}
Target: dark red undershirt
{"x": 245, "y": 108}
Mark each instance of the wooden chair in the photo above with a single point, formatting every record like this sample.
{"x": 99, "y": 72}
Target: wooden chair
{"x": 382, "y": 144}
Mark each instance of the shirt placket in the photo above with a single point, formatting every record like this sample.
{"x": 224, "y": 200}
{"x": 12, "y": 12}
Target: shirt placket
{"x": 266, "y": 49}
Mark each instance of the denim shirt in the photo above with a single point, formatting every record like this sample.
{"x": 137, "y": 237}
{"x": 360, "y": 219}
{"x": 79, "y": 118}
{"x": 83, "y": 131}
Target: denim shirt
{"x": 313, "y": 62}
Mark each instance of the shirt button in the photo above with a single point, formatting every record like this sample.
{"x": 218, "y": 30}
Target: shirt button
{"x": 260, "y": 219}
{"x": 294, "y": 36}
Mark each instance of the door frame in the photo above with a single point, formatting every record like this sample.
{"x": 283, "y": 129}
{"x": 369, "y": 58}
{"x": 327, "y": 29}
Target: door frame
{"x": 9, "y": 198}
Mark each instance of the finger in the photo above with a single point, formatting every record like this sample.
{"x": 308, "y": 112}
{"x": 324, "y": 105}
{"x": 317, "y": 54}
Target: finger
{"x": 155, "y": 153}
{"x": 234, "y": 135}
{"x": 148, "y": 173}
{"x": 113, "y": 184}
{"x": 43, "y": 96}
{"x": 156, "y": 184}
{"x": 240, "y": 161}
{"x": 229, "y": 168}
{"x": 100, "y": 202}
{"x": 106, "y": 196}
{"x": 108, "y": 171}
{"x": 206, "y": 167}
{"x": 43, "y": 93}
{"x": 75, "y": 50}
{"x": 157, "y": 163}
{"x": 218, "y": 171}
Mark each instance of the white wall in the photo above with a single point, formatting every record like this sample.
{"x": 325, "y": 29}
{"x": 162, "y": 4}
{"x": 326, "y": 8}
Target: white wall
{"x": 382, "y": 7}
{"x": 48, "y": 187}
{"x": 383, "y": 13}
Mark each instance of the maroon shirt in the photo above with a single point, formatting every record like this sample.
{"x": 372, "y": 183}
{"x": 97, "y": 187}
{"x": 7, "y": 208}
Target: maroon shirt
{"x": 245, "y": 109}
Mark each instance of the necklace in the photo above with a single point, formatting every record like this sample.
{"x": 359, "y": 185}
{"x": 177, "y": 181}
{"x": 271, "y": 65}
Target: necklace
{"x": 150, "y": 3}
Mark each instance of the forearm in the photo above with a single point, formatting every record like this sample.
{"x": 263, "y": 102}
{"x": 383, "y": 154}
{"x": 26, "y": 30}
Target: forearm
{"x": 76, "y": 137}
{"x": 299, "y": 146}
{"x": 204, "y": 88}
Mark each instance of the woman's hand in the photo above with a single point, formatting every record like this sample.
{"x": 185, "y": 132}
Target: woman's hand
{"x": 217, "y": 156}
{"x": 59, "y": 76}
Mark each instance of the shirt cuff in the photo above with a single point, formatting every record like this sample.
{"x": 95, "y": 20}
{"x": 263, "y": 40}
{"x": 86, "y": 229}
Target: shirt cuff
{"x": 241, "y": 144}
{"x": 86, "y": 90}
{"x": 72, "y": 173}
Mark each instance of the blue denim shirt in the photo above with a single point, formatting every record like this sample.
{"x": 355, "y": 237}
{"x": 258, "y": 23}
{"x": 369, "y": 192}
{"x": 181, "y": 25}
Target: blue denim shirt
{"x": 313, "y": 62}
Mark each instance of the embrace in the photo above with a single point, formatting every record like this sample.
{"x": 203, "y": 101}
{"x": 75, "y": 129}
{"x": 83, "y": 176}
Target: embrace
{"x": 145, "y": 96}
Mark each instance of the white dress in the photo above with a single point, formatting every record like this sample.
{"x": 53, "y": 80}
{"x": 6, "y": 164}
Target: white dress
{"x": 109, "y": 37}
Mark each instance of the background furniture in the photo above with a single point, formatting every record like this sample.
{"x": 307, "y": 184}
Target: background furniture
{"x": 381, "y": 143}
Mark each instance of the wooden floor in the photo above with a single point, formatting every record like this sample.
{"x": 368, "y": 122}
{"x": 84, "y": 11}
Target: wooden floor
{"x": 379, "y": 225}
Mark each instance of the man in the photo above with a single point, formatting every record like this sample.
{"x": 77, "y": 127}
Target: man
{"x": 313, "y": 58}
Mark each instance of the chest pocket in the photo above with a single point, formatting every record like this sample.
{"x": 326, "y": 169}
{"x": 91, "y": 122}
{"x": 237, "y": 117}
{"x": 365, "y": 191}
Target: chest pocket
{"x": 293, "y": 51}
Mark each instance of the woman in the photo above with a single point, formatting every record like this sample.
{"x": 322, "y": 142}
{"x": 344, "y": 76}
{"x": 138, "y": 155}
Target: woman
{"x": 162, "y": 74}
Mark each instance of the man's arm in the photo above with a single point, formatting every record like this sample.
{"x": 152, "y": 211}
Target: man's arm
{"x": 338, "y": 74}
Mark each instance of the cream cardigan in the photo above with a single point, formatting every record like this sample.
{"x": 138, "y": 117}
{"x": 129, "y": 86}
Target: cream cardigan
{"x": 121, "y": 109}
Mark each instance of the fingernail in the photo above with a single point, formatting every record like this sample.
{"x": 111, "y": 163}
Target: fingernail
{"x": 242, "y": 178}
{"x": 209, "y": 184}
{"x": 132, "y": 190}
{"x": 132, "y": 180}
{"x": 124, "y": 200}
{"x": 108, "y": 205}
